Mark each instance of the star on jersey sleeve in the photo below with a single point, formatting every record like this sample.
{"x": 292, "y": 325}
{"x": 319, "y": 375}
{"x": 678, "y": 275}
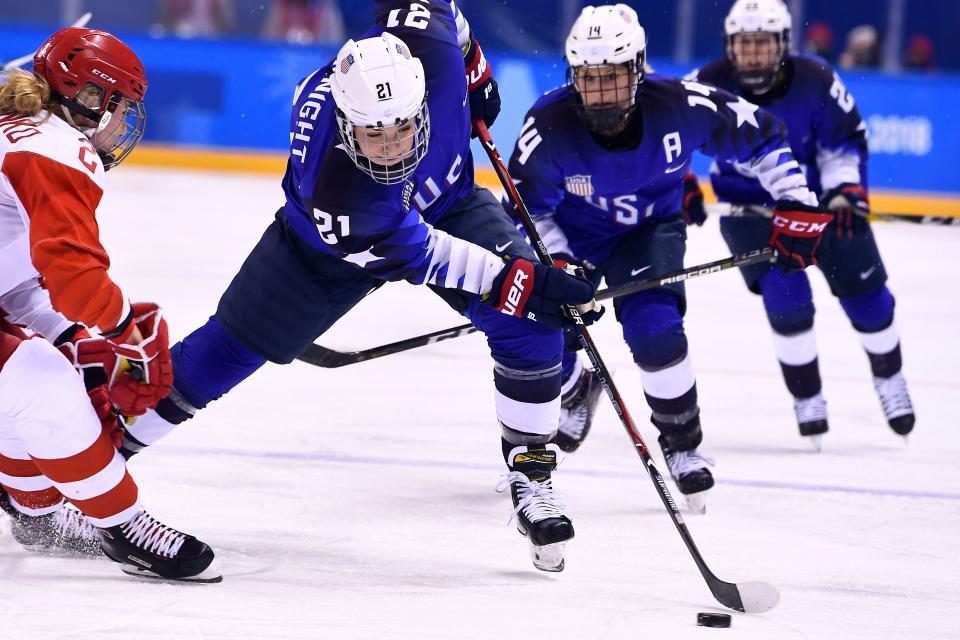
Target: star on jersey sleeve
{"x": 750, "y": 137}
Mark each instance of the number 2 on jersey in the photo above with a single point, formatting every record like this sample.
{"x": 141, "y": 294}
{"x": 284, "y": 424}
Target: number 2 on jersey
{"x": 417, "y": 17}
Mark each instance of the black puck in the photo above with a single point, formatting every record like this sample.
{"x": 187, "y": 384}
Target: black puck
{"x": 713, "y": 619}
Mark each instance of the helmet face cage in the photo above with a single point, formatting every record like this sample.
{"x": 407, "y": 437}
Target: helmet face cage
{"x": 114, "y": 124}
{"x": 389, "y": 154}
{"x": 758, "y": 80}
{"x": 606, "y": 94}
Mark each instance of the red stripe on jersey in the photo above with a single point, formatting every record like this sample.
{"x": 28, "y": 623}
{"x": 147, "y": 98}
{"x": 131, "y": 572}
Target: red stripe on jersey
{"x": 123, "y": 496}
{"x": 35, "y": 499}
{"x": 65, "y": 248}
{"x": 82, "y": 465}
{"x": 18, "y": 468}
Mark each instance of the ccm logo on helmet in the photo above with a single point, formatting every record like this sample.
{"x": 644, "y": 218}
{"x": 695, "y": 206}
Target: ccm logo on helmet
{"x": 101, "y": 74}
{"x": 798, "y": 226}
{"x": 515, "y": 294}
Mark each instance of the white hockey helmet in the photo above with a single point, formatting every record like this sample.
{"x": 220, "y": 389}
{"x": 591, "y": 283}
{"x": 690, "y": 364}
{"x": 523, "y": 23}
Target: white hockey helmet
{"x": 758, "y": 16}
{"x": 380, "y": 89}
{"x": 602, "y": 36}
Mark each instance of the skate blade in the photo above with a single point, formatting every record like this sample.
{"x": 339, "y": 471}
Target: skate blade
{"x": 548, "y": 557}
{"x": 210, "y": 575}
{"x": 816, "y": 441}
{"x": 696, "y": 502}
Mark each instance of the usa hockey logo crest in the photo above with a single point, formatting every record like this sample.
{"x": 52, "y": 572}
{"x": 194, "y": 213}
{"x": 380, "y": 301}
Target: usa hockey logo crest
{"x": 579, "y": 185}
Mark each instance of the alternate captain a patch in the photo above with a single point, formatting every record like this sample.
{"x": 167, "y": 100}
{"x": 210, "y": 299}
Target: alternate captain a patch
{"x": 579, "y": 185}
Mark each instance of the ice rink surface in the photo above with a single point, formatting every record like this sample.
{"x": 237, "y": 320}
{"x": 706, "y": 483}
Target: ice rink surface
{"x": 359, "y": 502}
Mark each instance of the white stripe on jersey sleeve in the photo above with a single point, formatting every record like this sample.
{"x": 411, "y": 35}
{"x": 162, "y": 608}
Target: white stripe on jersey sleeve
{"x": 463, "y": 27}
{"x": 782, "y": 178}
{"x": 837, "y": 167}
{"x": 476, "y": 266}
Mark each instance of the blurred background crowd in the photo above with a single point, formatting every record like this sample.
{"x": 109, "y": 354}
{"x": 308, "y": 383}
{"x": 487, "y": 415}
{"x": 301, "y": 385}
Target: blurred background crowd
{"x": 886, "y": 34}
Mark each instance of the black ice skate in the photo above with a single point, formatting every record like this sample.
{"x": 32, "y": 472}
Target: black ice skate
{"x": 690, "y": 471}
{"x": 148, "y": 548}
{"x": 577, "y": 407}
{"x": 896, "y": 403}
{"x": 64, "y": 532}
{"x": 812, "y": 418}
{"x": 538, "y": 510}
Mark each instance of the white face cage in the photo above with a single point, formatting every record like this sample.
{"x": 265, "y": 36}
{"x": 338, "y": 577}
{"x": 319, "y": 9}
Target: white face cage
{"x": 389, "y": 154}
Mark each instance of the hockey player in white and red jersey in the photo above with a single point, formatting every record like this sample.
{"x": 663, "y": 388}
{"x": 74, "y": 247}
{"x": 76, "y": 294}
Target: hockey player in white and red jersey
{"x": 61, "y": 127}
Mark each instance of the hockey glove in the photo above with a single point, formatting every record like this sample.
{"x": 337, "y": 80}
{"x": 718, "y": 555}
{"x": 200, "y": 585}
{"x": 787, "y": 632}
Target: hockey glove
{"x": 143, "y": 373}
{"x": 531, "y": 290}
{"x": 693, "y": 210}
{"x": 482, "y": 88}
{"x": 89, "y": 356}
{"x": 796, "y": 234}
{"x": 848, "y": 202}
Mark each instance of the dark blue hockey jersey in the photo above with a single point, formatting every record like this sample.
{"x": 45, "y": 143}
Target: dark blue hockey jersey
{"x": 824, "y": 128}
{"x": 584, "y": 197}
{"x": 385, "y": 229}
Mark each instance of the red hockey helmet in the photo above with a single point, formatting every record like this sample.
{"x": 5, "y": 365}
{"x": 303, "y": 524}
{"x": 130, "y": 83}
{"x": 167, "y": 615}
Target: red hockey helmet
{"x": 100, "y": 82}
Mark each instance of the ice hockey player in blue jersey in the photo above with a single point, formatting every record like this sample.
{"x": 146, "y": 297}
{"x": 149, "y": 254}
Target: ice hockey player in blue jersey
{"x": 828, "y": 138}
{"x": 379, "y": 187}
{"x": 600, "y": 164}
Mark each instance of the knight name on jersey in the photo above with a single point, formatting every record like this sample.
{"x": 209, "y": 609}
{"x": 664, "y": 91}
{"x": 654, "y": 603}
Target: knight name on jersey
{"x": 307, "y": 115}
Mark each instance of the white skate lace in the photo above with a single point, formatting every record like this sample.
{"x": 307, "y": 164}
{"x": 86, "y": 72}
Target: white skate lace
{"x": 683, "y": 462}
{"x": 153, "y": 536}
{"x": 810, "y": 409}
{"x": 71, "y": 524}
{"x": 536, "y": 499}
{"x": 893, "y": 396}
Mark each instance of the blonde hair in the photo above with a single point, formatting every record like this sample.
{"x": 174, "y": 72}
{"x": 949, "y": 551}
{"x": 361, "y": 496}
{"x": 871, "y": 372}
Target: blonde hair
{"x": 26, "y": 94}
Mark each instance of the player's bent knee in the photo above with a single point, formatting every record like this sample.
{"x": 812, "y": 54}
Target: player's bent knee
{"x": 870, "y": 312}
{"x": 788, "y": 301}
{"x": 653, "y": 329}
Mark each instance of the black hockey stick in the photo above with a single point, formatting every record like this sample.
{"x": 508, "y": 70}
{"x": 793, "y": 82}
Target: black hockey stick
{"x": 327, "y": 358}
{"x": 759, "y": 211}
{"x": 22, "y": 60}
{"x": 749, "y": 597}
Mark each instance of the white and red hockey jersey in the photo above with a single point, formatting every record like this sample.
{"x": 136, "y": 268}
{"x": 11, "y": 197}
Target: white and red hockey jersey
{"x": 51, "y": 182}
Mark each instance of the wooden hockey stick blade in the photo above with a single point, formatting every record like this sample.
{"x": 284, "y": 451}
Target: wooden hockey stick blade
{"x": 22, "y": 60}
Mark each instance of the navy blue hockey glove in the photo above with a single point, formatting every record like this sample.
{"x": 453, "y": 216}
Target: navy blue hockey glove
{"x": 482, "y": 88}
{"x": 796, "y": 235}
{"x": 847, "y": 202}
{"x": 693, "y": 210}
{"x": 535, "y": 291}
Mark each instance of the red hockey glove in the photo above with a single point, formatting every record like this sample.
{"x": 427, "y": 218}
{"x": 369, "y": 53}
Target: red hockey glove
{"x": 796, "y": 234}
{"x": 144, "y": 371}
{"x": 531, "y": 290}
{"x": 849, "y": 205}
{"x": 482, "y": 88}
{"x": 92, "y": 357}
{"x": 693, "y": 210}
{"x": 110, "y": 422}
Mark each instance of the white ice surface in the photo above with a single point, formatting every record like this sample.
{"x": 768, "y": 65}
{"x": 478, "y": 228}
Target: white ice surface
{"x": 359, "y": 502}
